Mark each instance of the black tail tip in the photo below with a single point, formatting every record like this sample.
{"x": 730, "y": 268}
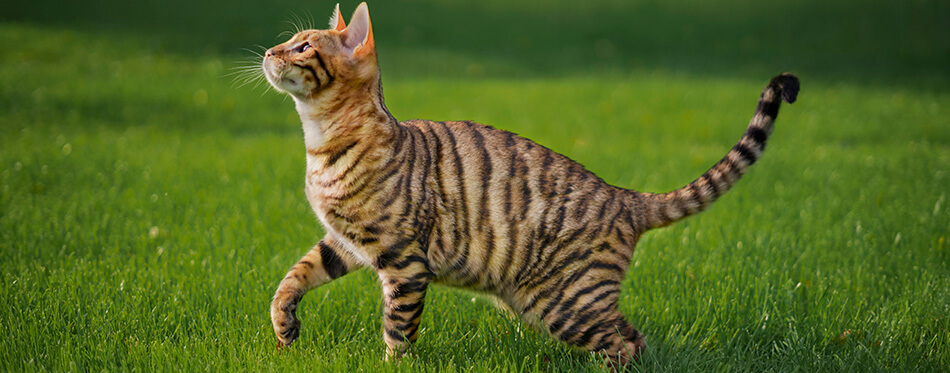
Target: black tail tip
{"x": 787, "y": 85}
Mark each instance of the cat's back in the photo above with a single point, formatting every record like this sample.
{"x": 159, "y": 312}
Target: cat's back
{"x": 500, "y": 153}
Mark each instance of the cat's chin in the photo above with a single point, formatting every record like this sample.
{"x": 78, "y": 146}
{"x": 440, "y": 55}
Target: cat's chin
{"x": 287, "y": 80}
{"x": 293, "y": 86}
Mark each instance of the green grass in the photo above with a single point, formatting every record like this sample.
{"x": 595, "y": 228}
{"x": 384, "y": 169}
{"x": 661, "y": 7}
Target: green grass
{"x": 148, "y": 206}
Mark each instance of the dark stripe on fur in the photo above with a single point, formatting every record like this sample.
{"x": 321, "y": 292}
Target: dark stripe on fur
{"x": 310, "y": 69}
{"x": 332, "y": 158}
{"x": 331, "y": 261}
{"x": 323, "y": 65}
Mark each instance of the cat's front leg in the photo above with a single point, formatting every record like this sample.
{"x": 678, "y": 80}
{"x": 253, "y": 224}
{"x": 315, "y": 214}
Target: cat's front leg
{"x": 322, "y": 264}
{"x": 405, "y": 277}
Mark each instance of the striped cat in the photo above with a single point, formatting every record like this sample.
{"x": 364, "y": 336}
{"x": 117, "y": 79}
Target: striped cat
{"x": 468, "y": 205}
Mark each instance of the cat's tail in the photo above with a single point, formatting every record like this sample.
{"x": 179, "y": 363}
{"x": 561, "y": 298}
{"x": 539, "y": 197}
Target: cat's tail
{"x": 666, "y": 208}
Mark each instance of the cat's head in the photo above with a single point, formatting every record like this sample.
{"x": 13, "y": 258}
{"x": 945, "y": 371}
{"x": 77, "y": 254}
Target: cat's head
{"x": 313, "y": 61}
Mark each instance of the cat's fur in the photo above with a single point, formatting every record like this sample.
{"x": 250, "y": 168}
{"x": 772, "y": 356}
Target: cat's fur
{"x": 468, "y": 205}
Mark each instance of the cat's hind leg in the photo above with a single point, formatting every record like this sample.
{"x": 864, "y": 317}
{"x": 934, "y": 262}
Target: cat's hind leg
{"x": 603, "y": 330}
{"x": 322, "y": 264}
{"x": 583, "y": 313}
{"x": 616, "y": 339}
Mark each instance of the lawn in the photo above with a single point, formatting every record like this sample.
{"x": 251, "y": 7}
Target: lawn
{"x": 150, "y": 202}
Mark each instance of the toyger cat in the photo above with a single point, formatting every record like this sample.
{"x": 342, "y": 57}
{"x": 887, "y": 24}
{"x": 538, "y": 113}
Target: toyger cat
{"x": 468, "y": 205}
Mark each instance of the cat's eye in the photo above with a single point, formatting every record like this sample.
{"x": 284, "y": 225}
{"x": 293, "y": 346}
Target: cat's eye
{"x": 302, "y": 48}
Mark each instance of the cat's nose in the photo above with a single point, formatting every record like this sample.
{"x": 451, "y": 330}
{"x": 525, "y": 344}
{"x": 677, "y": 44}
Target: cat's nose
{"x": 268, "y": 53}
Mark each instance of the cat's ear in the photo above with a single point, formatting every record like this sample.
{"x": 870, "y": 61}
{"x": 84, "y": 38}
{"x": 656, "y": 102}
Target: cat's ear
{"x": 358, "y": 36}
{"x": 336, "y": 20}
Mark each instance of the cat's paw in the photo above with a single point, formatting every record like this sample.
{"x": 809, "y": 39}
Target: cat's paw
{"x": 283, "y": 313}
{"x": 393, "y": 355}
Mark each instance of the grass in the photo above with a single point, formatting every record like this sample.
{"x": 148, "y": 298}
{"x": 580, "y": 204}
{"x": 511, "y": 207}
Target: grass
{"x": 148, "y": 207}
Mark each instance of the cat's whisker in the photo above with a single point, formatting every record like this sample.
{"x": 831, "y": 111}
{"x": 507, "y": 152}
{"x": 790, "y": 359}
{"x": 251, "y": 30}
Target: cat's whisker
{"x": 260, "y": 81}
{"x": 246, "y": 81}
{"x": 244, "y": 75}
{"x": 259, "y": 55}
{"x": 285, "y": 35}
{"x": 297, "y": 25}
{"x": 294, "y": 24}
{"x": 310, "y": 22}
{"x": 302, "y": 23}
{"x": 246, "y": 66}
{"x": 248, "y": 69}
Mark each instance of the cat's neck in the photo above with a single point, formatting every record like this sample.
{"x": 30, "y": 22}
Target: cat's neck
{"x": 328, "y": 120}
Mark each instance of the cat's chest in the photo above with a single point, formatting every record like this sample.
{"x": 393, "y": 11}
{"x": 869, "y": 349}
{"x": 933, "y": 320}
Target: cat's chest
{"x": 321, "y": 192}
{"x": 331, "y": 214}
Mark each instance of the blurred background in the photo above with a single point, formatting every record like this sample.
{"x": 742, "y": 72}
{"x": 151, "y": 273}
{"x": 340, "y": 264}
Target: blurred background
{"x": 868, "y": 41}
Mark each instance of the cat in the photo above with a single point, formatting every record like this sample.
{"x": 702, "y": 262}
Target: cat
{"x": 468, "y": 205}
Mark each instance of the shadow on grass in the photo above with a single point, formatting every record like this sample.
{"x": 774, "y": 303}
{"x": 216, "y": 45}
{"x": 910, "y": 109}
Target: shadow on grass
{"x": 875, "y": 42}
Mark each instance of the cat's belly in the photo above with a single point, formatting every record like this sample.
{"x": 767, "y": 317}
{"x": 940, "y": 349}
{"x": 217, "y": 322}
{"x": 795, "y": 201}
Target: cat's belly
{"x": 462, "y": 255}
